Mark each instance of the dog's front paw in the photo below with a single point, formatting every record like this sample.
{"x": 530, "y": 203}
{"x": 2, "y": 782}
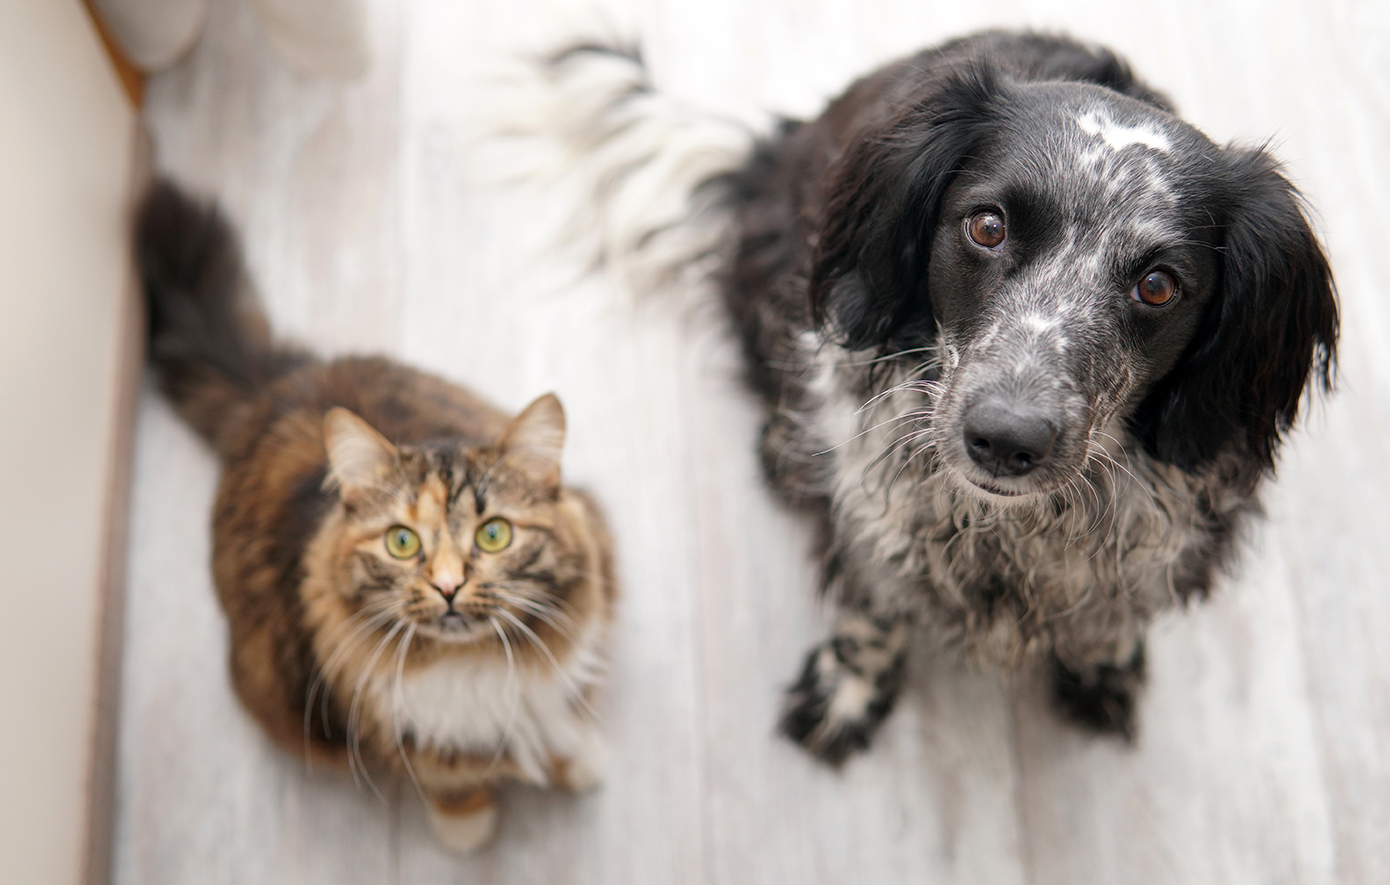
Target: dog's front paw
{"x": 846, "y": 689}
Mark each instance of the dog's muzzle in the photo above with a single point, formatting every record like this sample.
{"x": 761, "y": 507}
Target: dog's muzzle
{"x": 1020, "y": 409}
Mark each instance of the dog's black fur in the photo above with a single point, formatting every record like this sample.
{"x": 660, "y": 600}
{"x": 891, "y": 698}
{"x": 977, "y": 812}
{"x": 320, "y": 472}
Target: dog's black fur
{"x": 854, "y": 276}
{"x": 1025, "y": 437}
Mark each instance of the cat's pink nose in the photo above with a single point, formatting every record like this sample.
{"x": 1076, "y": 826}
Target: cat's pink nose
{"x": 447, "y": 578}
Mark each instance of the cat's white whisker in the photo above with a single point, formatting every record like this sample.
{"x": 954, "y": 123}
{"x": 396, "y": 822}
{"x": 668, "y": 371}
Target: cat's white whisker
{"x": 363, "y": 624}
{"x": 402, "y": 650}
{"x": 354, "y": 734}
{"x": 546, "y": 612}
{"x": 575, "y": 692}
{"x": 369, "y": 618}
{"x": 510, "y": 689}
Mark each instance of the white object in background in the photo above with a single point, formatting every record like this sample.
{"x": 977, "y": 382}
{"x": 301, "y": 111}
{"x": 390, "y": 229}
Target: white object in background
{"x": 325, "y": 37}
{"x": 154, "y": 33}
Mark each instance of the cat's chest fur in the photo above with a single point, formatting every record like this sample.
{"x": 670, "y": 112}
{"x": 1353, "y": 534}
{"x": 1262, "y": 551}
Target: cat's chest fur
{"x": 482, "y": 705}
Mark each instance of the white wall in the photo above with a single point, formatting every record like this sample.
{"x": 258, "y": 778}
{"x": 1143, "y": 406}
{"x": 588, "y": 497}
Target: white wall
{"x": 66, "y": 154}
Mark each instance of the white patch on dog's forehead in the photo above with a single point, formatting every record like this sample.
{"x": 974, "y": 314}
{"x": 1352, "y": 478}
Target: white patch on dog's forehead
{"x": 1098, "y": 124}
{"x": 1040, "y": 323}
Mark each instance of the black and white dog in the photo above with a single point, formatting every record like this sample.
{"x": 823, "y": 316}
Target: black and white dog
{"x": 1028, "y": 342}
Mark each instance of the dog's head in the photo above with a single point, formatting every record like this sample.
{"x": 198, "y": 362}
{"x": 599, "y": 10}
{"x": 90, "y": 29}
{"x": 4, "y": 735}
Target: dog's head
{"x": 1076, "y": 256}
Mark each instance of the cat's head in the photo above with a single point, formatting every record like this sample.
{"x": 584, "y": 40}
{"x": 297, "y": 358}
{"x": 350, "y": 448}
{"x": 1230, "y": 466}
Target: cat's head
{"x": 461, "y": 542}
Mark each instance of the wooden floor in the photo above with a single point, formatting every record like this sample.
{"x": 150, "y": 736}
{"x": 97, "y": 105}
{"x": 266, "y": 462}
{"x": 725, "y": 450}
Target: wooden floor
{"x": 373, "y": 221}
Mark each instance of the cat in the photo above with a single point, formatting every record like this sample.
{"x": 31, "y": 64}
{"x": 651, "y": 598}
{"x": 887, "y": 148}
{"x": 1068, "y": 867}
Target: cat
{"x": 409, "y": 586}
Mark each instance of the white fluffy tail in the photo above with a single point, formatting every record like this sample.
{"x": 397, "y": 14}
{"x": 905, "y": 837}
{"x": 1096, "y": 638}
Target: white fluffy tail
{"x": 647, "y": 168}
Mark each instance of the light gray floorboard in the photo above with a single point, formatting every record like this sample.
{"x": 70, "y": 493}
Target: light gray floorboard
{"x": 374, "y": 220}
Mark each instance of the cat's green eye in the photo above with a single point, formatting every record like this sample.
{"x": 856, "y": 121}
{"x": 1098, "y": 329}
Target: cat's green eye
{"x": 401, "y": 542}
{"x": 493, "y": 535}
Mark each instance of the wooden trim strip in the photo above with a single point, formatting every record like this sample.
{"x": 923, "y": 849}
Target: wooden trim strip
{"x": 101, "y": 796}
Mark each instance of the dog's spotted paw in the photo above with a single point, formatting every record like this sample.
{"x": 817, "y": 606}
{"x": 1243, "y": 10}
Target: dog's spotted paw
{"x": 1101, "y": 697}
{"x": 846, "y": 688}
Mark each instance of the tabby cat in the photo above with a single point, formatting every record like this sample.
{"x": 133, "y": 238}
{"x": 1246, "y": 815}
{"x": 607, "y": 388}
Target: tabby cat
{"x": 408, "y": 584}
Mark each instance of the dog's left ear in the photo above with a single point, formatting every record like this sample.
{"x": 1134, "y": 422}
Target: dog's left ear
{"x": 1272, "y": 326}
{"x": 869, "y": 270}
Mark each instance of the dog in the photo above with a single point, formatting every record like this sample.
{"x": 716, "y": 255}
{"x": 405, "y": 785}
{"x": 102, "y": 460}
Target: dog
{"x": 1028, "y": 344}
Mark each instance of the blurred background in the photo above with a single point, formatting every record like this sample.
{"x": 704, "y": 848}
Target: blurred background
{"x": 348, "y": 140}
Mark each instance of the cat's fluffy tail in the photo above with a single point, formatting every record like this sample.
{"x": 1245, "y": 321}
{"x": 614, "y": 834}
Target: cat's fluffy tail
{"x": 209, "y": 341}
{"x": 654, "y": 175}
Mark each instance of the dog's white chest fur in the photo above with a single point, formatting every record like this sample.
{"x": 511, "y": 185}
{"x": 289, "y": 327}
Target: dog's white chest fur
{"x": 480, "y": 705}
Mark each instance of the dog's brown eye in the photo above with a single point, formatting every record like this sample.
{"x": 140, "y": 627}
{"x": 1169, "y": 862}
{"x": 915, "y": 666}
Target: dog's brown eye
{"x": 1157, "y": 289}
{"x": 986, "y": 229}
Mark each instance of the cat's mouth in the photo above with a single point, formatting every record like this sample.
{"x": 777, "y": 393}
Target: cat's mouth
{"x": 453, "y": 621}
{"x": 454, "y": 626}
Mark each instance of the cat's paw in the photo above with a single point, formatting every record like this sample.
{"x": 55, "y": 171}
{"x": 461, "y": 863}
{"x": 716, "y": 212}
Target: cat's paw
{"x": 846, "y": 689}
{"x": 583, "y": 771}
{"x": 464, "y": 823}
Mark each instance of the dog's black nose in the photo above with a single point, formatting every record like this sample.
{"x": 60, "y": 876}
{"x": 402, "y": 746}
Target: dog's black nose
{"x": 1007, "y": 438}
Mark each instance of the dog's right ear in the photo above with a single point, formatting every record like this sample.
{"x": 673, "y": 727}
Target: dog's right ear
{"x": 869, "y": 271}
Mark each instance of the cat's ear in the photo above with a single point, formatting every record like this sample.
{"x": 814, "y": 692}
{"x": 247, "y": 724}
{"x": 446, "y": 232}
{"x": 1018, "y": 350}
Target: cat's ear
{"x": 532, "y": 442}
{"x": 358, "y": 456}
